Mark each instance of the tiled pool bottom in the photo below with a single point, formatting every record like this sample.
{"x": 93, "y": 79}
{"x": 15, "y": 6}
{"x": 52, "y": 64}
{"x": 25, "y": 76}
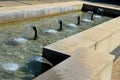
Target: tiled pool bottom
{"x": 116, "y": 52}
{"x": 21, "y": 61}
{"x": 116, "y": 64}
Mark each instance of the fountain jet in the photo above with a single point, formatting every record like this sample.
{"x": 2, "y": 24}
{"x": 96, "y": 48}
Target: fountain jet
{"x": 72, "y": 25}
{"x": 61, "y": 23}
{"x": 36, "y": 65}
{"x": 35, "y": 31}
{"x": 35, "y": 34}
{"x": 88, "y": 17}
{"x": 100, "y": 11}
{"x": 90, "y": 13}
{"x": 78, "y": 17}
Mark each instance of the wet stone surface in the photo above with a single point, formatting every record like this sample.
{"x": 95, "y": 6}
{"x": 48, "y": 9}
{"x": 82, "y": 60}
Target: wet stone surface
{"x": 17, "y": 46}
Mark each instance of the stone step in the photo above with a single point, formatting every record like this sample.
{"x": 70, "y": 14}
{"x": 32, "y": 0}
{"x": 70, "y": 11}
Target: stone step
{"x": 85, "y": 64}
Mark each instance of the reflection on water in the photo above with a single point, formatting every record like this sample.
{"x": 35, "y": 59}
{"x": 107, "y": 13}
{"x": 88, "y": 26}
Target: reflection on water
{"x": 23, "y": 61}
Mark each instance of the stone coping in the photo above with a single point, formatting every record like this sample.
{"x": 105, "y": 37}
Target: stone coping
{"x": 111, "y": 27}
{"x": 70, "y": 44}
{"x": 85, "y": 64}
{"x": 17, "y": 13}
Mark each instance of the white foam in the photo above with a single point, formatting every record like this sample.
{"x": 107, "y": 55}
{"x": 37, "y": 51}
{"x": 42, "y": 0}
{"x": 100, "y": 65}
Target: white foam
{"x": 51, "y": 31}
{"x": 86, "y": 20}
{"x": 39, "y": 59}
{"x": 20, "y": 40}
{"x": 71, "y": 25}
{"x": 10, "y": 66}
{"x": 36, "y": 58}
{"x": 97, "y": 16}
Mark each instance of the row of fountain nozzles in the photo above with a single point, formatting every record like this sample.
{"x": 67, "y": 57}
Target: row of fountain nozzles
{"x": 91, "y": 13}
{"x": 89, "y": 16}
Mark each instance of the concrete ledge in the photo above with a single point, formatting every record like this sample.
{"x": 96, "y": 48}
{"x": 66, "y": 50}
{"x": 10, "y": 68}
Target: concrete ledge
{"x": 111, "y": 26}
{"x": 71, "y": 44}
{"x": 16, "y": 13}
{"x": 101, "y": 37}
{"x": 66, "y": 48}
{"x": 85, "y": 64}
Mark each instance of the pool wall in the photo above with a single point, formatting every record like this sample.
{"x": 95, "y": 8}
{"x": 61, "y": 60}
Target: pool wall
{"x": 107, "y": 11}
{"x": 86, "y": 55}
{"x": 16, "y": 13}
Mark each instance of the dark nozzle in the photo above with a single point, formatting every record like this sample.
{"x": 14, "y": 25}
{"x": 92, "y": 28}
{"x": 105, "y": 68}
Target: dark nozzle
{"x": 78, "y": 18}
{"x": 35, "y": 34}
{"x": 90, "y": 14}
{"x": 60, "y": 28}
{"x": 100, "y": 11}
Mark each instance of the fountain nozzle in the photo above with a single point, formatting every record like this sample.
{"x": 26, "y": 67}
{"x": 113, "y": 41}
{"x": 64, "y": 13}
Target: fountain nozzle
{"x": 35, "y": 30}
{"x": 78, "y": 17}
{"x": 61, "y": 23}
{"x": 100, "y": 11}
{"x": 90, "y": 13}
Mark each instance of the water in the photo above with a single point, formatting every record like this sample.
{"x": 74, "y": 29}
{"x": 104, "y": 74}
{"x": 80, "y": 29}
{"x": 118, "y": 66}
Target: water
{"x": 97, "y": 16}
{"x": 50, "y": 31}
{"x": 10, "y": 66}
{"x": 87, "y": 20}
{"x": 71, "y": 25}
{"x": 20, "y": 40}
{"x": 22, "y": 61}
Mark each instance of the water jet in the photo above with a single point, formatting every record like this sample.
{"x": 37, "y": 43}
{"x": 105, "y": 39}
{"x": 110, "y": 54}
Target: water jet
{"x": 60, "y": 25}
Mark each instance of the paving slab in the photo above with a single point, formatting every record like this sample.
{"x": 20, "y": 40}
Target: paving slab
{"x": 116, "y": 70}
